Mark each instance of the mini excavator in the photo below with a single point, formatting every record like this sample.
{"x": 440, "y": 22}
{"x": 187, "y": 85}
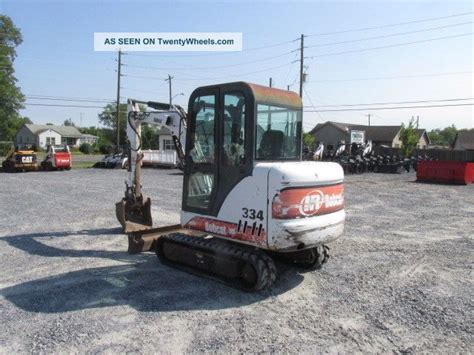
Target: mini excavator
{"x": 248, "y": 197}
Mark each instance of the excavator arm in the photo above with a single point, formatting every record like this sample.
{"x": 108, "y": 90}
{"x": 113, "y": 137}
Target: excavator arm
{"x": 134, "y": 210}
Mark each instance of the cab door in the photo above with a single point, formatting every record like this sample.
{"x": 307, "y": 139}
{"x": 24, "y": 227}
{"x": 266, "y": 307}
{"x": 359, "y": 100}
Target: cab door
{"x": 201, "y": 163}
{"x": 235, "y": 141}
{"x": 218, "y": 146}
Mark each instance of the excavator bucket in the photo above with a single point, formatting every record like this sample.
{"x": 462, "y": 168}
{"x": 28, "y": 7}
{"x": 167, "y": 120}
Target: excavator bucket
{"x": 134, "y": 217}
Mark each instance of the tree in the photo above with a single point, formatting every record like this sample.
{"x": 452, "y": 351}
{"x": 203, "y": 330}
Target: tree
{"x": 105, "y": 138}
{"x": 150, "y": 137}
{"x": 409, "y": 138}
{"x": 85, "y": 148}
{"x": 443, "y": 136}
{"x": 69, "y": 122}
{"x": 108, "y": 118}
{"x": 11, "y": 98}
{"x": 308, "y": 140}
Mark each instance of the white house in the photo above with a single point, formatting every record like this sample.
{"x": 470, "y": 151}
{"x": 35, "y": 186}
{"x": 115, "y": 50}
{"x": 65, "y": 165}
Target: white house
{"x": 331, "y": 133}
{"x": 88, "y": 138}
{"x": 43, "y": 135}
{"x": 165, "y": 140}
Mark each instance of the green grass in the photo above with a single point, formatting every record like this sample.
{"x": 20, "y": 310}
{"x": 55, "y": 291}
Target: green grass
{"x": 82, "y": 164}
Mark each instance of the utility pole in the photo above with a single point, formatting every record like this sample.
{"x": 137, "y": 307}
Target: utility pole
{"x": 368, "y": 116}
{"x": 417, "y": 121}
{"x": 169, "y": 83}
{"x": 80, "y": 119}
{"x": 288, "y": 87}
{"x": 301, "y": 65}
{"x": 270, "y": 82}
{"x": 119, "y": 67}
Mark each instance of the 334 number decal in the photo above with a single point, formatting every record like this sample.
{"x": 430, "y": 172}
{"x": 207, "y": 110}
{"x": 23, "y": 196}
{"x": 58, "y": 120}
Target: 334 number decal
{"x": 252, "y": 214}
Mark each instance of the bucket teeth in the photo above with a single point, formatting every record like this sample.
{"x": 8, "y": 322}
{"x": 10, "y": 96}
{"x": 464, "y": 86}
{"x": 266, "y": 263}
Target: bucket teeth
{"x": 134, "y": 217}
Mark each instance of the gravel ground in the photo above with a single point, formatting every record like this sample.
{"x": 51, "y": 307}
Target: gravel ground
{"x": 400, "y": 280}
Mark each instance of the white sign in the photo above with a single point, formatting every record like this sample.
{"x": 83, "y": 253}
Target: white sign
{"x": 357, "y": 137}
{"x": 168, "y": 41}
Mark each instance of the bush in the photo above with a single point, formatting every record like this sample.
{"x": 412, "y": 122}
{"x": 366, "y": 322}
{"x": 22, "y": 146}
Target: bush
{"x": 85, "y": 148}
{"x": 5, "y": 148}
{"x": 103, "y": 148}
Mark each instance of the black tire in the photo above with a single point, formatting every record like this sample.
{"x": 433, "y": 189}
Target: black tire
{"x": 9, "y": 166}
{"x": 49, "y": 166}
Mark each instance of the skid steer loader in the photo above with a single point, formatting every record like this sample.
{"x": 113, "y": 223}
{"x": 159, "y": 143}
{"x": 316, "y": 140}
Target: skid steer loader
{"x": 20, "y": 160}
{"x": 247, "y": 194}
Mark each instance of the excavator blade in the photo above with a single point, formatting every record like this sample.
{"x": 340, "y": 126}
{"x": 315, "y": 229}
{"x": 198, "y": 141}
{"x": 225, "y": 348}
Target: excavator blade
{"x": 134, "y": 217}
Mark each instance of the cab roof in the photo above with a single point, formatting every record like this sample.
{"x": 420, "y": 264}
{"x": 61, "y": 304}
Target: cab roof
{"x": 275, "y": 96}
{"x": 264, "y": 94}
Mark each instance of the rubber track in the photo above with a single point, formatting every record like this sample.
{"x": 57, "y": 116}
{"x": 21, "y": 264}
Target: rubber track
{"x": 261, "y": 262}
{"x": 298, "y": 258}
{"x": 322, "y": 257}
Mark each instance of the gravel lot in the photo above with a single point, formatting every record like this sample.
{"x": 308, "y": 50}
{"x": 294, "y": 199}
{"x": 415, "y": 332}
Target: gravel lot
{"x": 399, "y": 280}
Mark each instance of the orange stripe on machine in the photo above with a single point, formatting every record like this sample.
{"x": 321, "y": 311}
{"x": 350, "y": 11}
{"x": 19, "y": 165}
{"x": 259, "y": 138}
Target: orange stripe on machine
{"x": 228, "y": 229}
{"x": 306, "y": 202}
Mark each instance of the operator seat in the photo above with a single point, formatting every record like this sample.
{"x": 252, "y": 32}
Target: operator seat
{"x": 271, "y": 144}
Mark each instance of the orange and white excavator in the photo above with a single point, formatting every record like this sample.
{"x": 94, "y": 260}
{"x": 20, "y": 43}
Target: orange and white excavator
{"x": 247, "y": 195}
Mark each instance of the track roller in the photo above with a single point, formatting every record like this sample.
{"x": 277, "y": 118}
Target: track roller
{"x": 239, "y": 266}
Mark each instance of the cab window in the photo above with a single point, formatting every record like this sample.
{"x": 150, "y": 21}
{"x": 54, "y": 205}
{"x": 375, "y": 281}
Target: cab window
{"x": 234, "y": 130}
{"x": 277, "y": 133}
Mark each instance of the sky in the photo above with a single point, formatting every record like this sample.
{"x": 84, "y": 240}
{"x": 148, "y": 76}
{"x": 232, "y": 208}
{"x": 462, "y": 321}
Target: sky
{"x": 57, "y": 57}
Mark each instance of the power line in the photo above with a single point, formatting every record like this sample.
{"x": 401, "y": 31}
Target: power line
{"x": 213, "y": 78}
{"x": 388, "y": 108}
{"x": 312, "y": 104}
{"x": 67, "y": 97}
{"x": 117, "y": 110}
{"x": 214, "y": 53}
{"x": 212, "y": 67}
{"x": 389, "y": 35}
{"x": 399, "y": 102}
{"x": 61, "y": 99}
{"x": 145, "y": 91}
{"x": 389, "y": 46}
{"x": 58, "y": 105}
{"x": 390, "y": 25}
{"x": 389, "y": 77}
{"x": 301, "y": 49}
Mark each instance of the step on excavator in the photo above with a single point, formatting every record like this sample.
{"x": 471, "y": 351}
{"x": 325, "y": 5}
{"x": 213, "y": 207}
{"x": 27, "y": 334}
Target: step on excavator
{"x": 248, "y": 197}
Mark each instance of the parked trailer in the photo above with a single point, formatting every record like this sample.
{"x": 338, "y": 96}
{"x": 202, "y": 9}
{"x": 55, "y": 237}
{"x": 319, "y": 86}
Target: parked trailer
{"x": 160, "y": 158}
{"x": 157, "y": 158}
{"x": 452, "y": 172}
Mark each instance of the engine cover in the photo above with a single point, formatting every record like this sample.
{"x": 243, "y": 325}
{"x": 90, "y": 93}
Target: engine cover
{"x": 282, "y": 206}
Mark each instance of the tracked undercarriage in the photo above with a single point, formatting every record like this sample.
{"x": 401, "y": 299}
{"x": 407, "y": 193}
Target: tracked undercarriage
{"x": 237, "y": 265}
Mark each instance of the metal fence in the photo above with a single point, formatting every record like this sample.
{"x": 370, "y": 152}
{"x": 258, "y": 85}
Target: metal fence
{"x": 436, "y": 154}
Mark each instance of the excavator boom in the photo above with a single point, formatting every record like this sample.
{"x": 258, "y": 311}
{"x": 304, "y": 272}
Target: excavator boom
{"x": 134, "y": 210}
